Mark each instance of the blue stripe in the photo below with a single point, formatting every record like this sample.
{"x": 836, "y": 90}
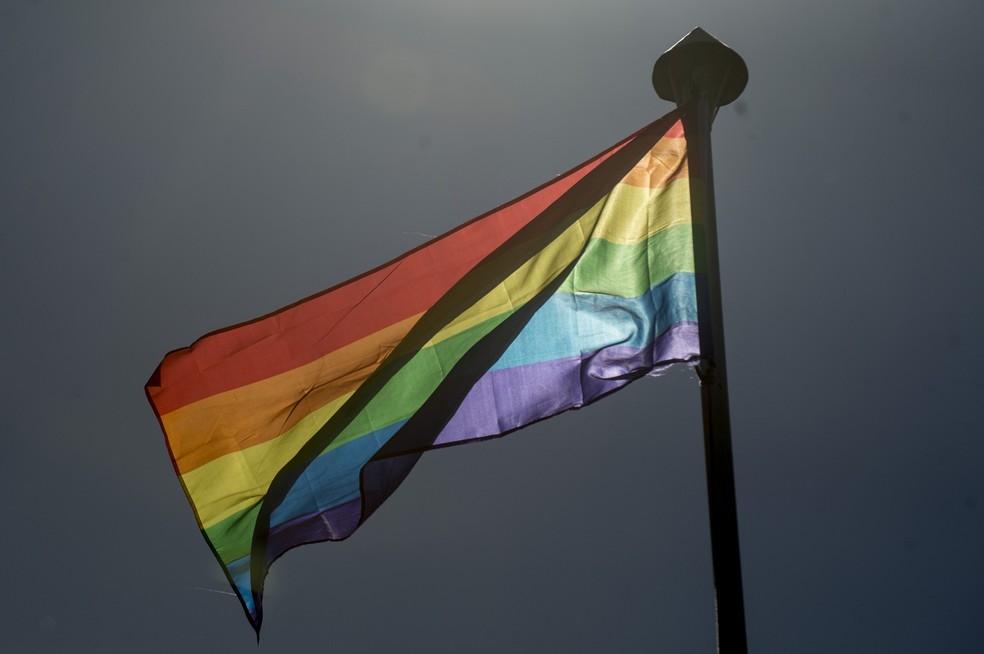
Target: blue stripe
{"x": 601, "y": 321}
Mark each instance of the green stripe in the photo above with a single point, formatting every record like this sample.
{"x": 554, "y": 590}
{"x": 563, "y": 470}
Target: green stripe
{"x": 231, "y": 538}
{"x": 630, "y": 270}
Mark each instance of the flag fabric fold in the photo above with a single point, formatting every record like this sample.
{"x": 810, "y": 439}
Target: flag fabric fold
{"x": 294, "y": 427}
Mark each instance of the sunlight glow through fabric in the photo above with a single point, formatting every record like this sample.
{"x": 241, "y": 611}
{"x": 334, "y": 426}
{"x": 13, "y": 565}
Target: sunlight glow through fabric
{"x": 294, "y": 427}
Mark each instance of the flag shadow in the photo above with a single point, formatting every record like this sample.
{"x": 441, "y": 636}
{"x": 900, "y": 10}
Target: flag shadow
{"x": 384, "y": 472}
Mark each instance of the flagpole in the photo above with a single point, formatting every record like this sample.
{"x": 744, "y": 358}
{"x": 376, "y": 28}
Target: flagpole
{"x": 701, "y": 69}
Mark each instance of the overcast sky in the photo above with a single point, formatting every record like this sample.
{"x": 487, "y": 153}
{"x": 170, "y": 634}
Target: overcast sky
{"x": 170, "y": 168}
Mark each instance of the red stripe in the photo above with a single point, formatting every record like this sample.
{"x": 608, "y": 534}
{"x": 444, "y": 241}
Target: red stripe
{"x": 311, "y": 328}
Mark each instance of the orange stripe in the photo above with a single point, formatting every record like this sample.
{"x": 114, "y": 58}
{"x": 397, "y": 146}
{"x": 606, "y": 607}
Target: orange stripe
{"x": 258, "y": 412}
{"x": 662, "y": 167}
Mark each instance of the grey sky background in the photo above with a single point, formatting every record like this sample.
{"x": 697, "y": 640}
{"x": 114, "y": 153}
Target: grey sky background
{"x": 170, "y": 168}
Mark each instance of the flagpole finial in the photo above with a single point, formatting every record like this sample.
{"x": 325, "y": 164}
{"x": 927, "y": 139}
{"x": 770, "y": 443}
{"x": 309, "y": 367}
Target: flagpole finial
{"x": 699, "y": 63}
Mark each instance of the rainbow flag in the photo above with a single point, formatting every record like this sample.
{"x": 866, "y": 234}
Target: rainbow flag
{"x": 294, "y": 427}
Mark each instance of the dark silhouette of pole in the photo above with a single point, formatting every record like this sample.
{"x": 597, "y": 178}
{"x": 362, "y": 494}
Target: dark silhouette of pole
{"x": 703, "y": 71}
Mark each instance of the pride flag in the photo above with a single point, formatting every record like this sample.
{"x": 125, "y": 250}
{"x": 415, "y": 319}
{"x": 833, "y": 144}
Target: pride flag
{"x": 294, "y": 427}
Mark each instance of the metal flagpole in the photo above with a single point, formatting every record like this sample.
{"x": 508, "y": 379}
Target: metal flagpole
{"x": 701, "y": 69}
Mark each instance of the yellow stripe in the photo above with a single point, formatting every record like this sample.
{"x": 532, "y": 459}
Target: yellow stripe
{"x": 633, "y": 214}
{"x": 240, "y": 479}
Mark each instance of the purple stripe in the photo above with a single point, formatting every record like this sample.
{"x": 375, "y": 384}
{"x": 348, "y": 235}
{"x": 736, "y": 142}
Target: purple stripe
{"x": 507, "y": 399}
{"x": 335, "y": 523}
{"x": 503, "y": 400}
